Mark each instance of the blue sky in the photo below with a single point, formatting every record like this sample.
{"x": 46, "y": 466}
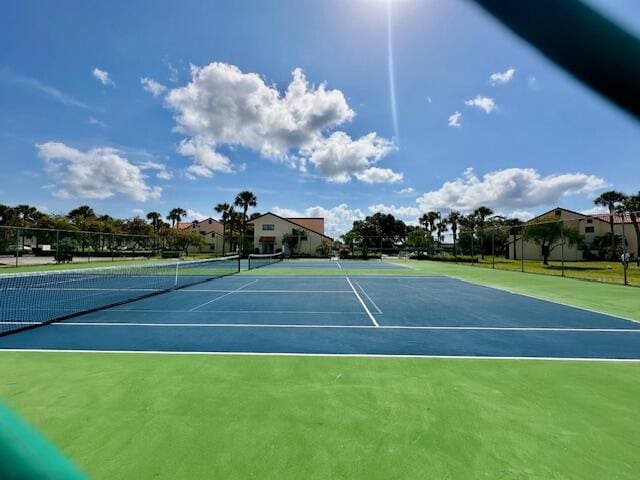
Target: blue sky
{"x": 140, "y": 106}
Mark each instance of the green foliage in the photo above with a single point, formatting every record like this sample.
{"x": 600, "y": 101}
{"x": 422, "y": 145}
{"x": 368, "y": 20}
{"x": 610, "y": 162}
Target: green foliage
{"x": 549, "y": 233}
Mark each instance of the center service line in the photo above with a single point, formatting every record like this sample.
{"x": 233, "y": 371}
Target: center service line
{"x": 222, "y": 296}
{"x": 366, "y": 309}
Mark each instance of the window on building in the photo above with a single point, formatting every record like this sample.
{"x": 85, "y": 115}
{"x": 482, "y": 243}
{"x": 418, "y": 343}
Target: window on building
{"x": 589, "y": 220}
{"x": 589, "y": 229}
{"x": 558, "y": 212}
{"x": 209, "y": 222}
{"x": 268, "y": 226}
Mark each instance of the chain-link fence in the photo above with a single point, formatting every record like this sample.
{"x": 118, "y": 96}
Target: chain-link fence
{"x": 21, "y": 246}
{"x": 599, "y": 248}
{"x": 595, "y": 248}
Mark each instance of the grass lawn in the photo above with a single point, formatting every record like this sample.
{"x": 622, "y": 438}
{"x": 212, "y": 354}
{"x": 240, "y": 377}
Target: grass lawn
{"x": 153, "y": 416}
{"x": 601, "y": 271}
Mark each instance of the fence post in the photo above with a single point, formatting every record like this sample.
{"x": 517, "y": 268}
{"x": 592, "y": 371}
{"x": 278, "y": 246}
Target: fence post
{"x": 624, "y": 253}
{"x": 562, "y": 247}
{"x": 17, "y": 245}
{"x": 522, "y": 249}
{"x": 472, "y": 240}
{"x": 493, "y": 249}
{"x": 57, "y": 246}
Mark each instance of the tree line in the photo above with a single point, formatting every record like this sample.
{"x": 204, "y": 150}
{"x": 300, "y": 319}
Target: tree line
{"x": 162, "y": 231}
{"x": 483, "y": 232}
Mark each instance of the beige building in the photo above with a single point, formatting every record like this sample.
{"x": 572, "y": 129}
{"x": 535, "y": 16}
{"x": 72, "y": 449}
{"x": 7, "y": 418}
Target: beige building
{"x": 592, "y": 227}
{"x": 211, "y": 230}
{"x": 293, "y": 236}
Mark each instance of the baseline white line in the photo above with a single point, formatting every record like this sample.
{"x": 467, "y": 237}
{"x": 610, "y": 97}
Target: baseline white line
{"x": 222, "y": 296}
{"x": 296, "y": 312}
{"x": 359, "y": 327}
{"x": 366, "y": 309}
{"x": 267, "y": 291}
{"x": 369, "y": 298}
{"x": 339, "y": 266}
{"x": 325, "y": 355}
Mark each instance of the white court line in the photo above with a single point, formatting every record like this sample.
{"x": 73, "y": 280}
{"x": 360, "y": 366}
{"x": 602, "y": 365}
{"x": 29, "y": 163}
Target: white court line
{"x": 325, "y": 355}
{"x": 501, "y": 289}
{"x": 369, "y": 298}
{"x": 366, "y": 309}
{"x": 339, "y": 266}
{"x": 261, "y": 312}
{"x": 225, "y": 295}
{"x": 267, "y": 291}
{"x": 358, "y": 327}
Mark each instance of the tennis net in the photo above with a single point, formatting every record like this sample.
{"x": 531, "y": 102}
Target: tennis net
{"x": 28, "y": 300}
{"x": 262, "y": 260}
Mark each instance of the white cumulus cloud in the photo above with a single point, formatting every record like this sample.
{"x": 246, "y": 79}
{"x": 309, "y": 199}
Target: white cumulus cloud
{"x": 406, "y": 191}
{"x": 500, "y": 78}
{"x": 95, "y": 174}
{"x": 454, "y": 120}
{"x": 150, "y": 85}
{"x": 337, "y": 220}
{"x": 161, "y": 169}
{"x": 487, "y": 104}
{"x": 195, "y": 215}
{"x": 507, "y": 190}
{"x": 221, "y": 105}
{"x": 402, "y": 212}
{"x": 102, "y": 76}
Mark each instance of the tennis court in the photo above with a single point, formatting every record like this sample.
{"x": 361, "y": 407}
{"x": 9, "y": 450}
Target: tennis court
{"x": 304, "y": 314}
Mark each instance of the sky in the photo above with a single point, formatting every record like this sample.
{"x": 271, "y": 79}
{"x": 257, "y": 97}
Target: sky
{"x": 328, "y": 108}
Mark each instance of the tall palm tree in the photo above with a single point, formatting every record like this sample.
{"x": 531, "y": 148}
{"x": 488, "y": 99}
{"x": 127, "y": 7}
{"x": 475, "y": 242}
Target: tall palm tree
{"x": 235, "y": 225}
{"x": 175, "y": 215}
{"x": 453, "y": 219}
{"x": 245, "y": 200}
{"x": 441, "y": 227}
{"x": 611, "y": 200}
{"x": 481, "y": 213}
{"x": 223, "y": 209}
{"x": 429, "y": 221}
{"x": 631, "y": 206}
{"x": 469, "y": 222}
{"x": 154, "y": 217}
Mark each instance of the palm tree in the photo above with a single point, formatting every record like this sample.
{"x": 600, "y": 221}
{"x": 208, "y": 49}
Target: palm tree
{"x": 429, "y": 221}
{"x": 481, "y": 213}
{"x": 611, "y": 200}
{"x": 223, "y": 209}
{"x": 154, "y": 217}
{"x": 176, "y": 215}
{"x": 441, "y": 227}
{"x": 453, "y": 219}
{"x": 235, "y": 225}
{"x": 245, "y": 200}
{"x": 82, "y": 213}
{"x": 631, "y": 205}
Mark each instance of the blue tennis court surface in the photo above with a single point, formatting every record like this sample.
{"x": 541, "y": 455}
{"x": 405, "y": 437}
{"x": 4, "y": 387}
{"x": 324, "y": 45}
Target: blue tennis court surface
{"x": 363, "y": 315}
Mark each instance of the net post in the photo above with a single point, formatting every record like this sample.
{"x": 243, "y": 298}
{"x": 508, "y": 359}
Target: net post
{"x": 175, "y": 283}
